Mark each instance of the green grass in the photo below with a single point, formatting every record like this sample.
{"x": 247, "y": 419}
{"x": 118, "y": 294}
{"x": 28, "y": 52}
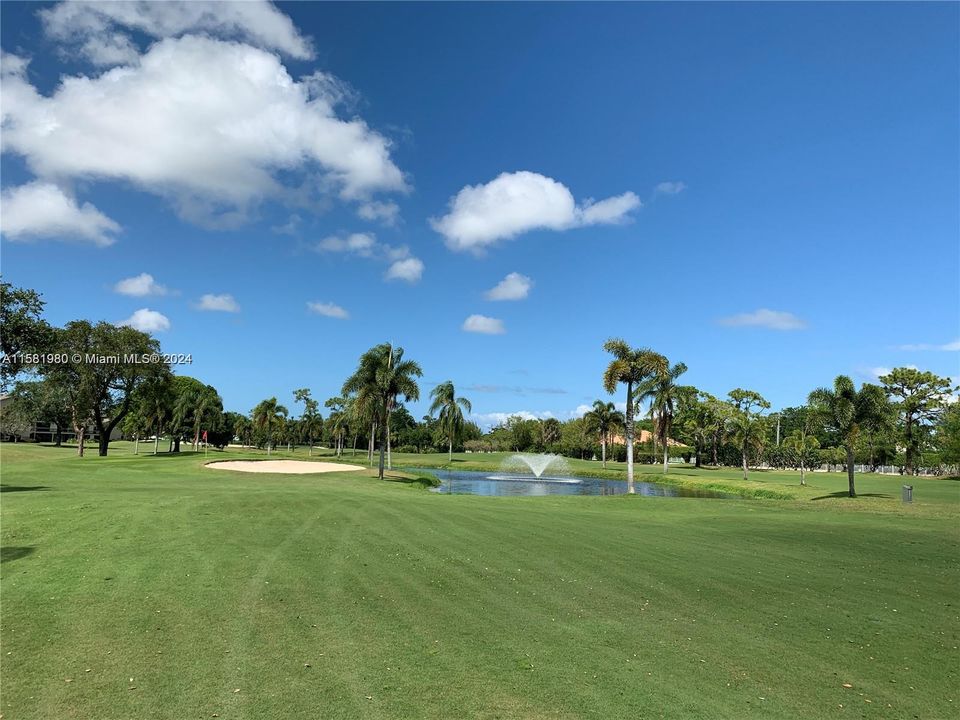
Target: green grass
{"x": 341, "y": 596}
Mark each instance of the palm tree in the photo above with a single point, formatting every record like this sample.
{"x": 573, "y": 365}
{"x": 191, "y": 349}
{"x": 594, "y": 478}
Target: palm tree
{"x": 630, "y": 366}
{"x": 381, "y": 377}
{"x": 663, "y": 393}
{"x": 801, "y": 442}
{"x": 311, "y": 422}
{"x": 451, "y": 409}
{"x": 603, "y": 420}
{"x": 242, "y": 428}
{"x": 365, "y": 409}
{"x": 747, "y": 430}
{"x": 848, "y": 411}
{"x": 269, "y": 417}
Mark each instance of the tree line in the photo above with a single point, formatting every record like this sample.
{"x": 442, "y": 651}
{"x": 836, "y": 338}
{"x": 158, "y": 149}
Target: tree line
{"x": 908, "y": 419}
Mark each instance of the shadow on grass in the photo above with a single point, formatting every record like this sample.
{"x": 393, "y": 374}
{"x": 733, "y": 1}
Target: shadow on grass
{"x": 21, "y": 488}
{"x": 422, "y": 480}
{"x": 845, "y": 493}
{"x": 8, "y": 554}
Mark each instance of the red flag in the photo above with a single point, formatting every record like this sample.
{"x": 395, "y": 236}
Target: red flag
{"x": 204, "y": 435}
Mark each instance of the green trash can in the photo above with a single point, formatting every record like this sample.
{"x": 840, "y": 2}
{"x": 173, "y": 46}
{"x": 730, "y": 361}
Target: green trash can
{"x": 908, "y": 493}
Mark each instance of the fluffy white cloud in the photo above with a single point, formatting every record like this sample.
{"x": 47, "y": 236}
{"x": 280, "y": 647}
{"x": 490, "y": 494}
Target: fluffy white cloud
{"x": 874, "y": 374}
{"x": 770, "y": 319}
{"x": 362, "y": 244}
{"x": 146, "y": 320}
{"x": 499, "y": 418}
{"x": 328, "y": 310}
{"x": 386, "y": 213}
{"x": 410, "y": 270}
{"x": 514, "y": 203}
{"x": 670, "y": 188}
{"x": 218, "y": 303}
{"x": 97, "y": 27}
{"x": 513, "y": 287}
{"x": 211, "y": 125}
{"x": 140, "y": 286}
{"x": 483, "y": 324}
{"x": 42, "y": 210}
{"x": 403, "y": 265}
{"x": 946, "y": 347}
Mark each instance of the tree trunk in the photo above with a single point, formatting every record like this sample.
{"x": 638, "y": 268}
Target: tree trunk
{"x": 603, "y": 449}
{"x": 196, "y": 438}
{"x": 666, "y": 458}
{"x": 715, "y": 448}
{"x": 373, "y": 432}
{"x": 136, "y": 444}
{"x": 79, "y": 430}
{"x": 383, "y": 448}
{"x": 156, "y": 444}
{"x": 743, "y": 453}
{"x": 389, "y": 454}
{"x": 310, "y": 446}
{"x": 103, "y": 444}
{"x": 629, "y": 428}
{"x": 59, "y": 436}
{"x": 450, "y": 449}
{"x": 908, "y": 467}
{"x": 697, "y": 450}
{"x": 803, "y": 480}
{"x": 176, "y": 444}
{"x": 853, "y": 490}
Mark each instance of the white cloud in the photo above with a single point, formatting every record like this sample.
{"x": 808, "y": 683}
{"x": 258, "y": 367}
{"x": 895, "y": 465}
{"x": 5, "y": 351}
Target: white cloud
{"x": 581, "y": 411}
{"x": 386, "y": 213}
{"x": 670, "y": 188}
{"x": 875, "y": 373}
{"x": 42, "y": 210}
{"x": 513, "y": 287}
{"x": 215, "y": 127}
{"x": 946, "y": 347}
{"x": 146, "y": 320}
{"x": 328, "y": 310}
{"x": 94, "y": 26}
{"x": 403, "y": 266}
{"x": 409, "y": 270}
{"x": 483, "y": 324}
{"x": 362, "y": 244}
{"x": 218, "y": 303}
{"x": 140, "y": 286}
{"x": 770, "y": 319}
{"x": 514, "y": 203}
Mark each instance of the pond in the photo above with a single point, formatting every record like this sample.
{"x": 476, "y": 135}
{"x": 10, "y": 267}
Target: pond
{"x": 469, "y": 482}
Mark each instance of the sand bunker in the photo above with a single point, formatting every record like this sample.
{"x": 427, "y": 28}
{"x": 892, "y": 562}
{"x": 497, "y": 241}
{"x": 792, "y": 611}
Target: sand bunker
{"x": 286, "y": 467}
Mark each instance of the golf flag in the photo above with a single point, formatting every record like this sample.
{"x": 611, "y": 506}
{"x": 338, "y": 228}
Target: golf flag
{"x": 204, "y": 435}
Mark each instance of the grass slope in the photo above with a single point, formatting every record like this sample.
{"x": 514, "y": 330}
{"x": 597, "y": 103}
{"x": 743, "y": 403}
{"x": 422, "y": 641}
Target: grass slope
{"x": 149, "y": 587}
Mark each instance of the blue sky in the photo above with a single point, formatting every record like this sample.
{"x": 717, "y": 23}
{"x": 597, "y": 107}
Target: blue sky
{"x": 766, "y": 192}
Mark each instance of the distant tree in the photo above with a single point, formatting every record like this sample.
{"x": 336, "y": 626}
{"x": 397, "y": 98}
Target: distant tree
{"x": 196, "y": 407}
{"x": 311, "y": 422}
{"x": 381, "y": 378}
{"x": 450, "y": 411}
{"x": 338, "y": 422}
{"x": 630, "y": 366}
{"x": 243, "y": 427}
{"x": 42, "y": 401}
{"x": 698, "y": 421}
{"x": 102, "y": 385}
{"x": 920, "y": 399}
{"x": 802, "y": 443}
{"x": 745, "y": 423}
{"x": 24, "y": 330}
{"x": 948, "y": 435}
{"x": 847, "y": 411}
{"x": 604, "y": 419}
{"x": 550, "y": 432}
{"x": 270, "y": 418}
{"x": 663, "y": 393}
{"x": 154, "y": 401}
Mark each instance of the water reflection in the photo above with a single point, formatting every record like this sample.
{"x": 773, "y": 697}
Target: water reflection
{"x": 470, "y": 482}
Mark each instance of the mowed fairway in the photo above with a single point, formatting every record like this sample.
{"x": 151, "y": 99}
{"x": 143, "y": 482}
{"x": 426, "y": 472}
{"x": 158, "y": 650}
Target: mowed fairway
{"x": 150, "y": 587}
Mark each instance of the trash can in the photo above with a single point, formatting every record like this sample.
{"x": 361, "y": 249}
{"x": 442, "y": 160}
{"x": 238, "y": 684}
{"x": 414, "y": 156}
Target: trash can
{"x": 908, "y": 493}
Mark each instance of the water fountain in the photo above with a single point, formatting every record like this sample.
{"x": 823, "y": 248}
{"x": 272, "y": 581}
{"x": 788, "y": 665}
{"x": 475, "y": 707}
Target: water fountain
{"x": 536, "y": 463}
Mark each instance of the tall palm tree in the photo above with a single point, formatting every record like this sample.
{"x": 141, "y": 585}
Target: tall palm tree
{"x": 630, "y": 366}
{"x": 849, "y": 411}
{"x": 663, "y": 393}
{"x": 451, "y": 410}
{"x": 365, "y": 409}
{"x": 603, "y": 420}
{"x": 269, "y": 417}
{"x": 381, "y": 377}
